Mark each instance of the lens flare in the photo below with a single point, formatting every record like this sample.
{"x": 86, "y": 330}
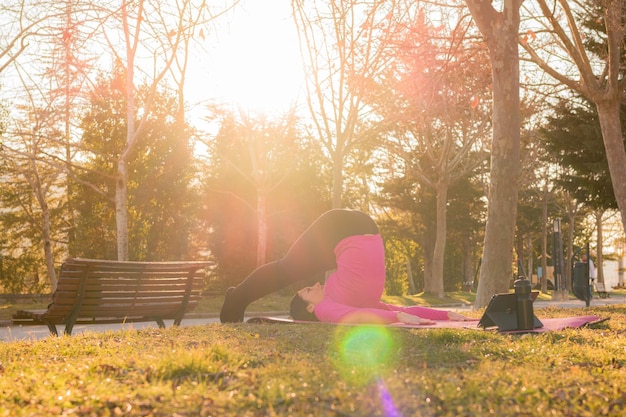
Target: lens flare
{"x": 363, "y": 353}
{"x": 362, "y": 356}
{"x": 386, "y": 402}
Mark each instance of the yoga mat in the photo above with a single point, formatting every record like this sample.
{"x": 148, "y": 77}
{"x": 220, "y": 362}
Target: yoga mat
{"x": 549, "y": 324}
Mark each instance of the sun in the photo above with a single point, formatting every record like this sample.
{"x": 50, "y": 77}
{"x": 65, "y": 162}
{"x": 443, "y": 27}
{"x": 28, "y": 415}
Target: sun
{"x": 255, "y": 64}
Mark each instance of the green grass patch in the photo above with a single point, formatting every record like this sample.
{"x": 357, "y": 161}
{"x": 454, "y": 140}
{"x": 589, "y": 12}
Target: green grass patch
{"x": 320, "y": 370}
{"x": 423, "y": 299}
{"x": 8, "y": 308}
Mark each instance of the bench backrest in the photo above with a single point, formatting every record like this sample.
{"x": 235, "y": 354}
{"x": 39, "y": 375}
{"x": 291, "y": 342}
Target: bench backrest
{"x": 107, "y": 289}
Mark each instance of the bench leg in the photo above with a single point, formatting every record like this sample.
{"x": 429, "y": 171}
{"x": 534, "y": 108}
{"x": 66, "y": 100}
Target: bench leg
{"x": 160, "y": 323}
{"x": 68, "y": 328}
{"x": 53, "y": 328}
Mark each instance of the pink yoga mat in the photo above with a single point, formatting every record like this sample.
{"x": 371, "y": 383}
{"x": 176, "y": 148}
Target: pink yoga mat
{"x": 549, "y": 324}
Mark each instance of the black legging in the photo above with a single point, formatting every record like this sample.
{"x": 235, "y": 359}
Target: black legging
{"x": 311, "y": 254}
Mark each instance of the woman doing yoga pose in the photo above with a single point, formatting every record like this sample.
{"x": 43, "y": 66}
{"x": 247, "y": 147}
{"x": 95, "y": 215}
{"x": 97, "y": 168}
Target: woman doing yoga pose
{"x": 348, "y": 242}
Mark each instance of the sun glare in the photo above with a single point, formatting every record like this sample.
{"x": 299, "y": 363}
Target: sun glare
{"x": 255, "y": 63}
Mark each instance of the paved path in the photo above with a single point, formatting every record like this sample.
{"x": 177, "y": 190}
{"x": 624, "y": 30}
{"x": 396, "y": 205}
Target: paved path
{"x": 595, "y": 302}
{"x": 10, "y": 333}
{"x": 29, "y": 332}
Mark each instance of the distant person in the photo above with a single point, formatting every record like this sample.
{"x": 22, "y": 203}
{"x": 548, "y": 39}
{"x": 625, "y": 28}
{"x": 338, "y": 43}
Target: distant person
{"x": 592, "y": 268}
{"x": 348, "y": 242}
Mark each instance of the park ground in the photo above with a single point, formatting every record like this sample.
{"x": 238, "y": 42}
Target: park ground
{"x": 210, "y": 369}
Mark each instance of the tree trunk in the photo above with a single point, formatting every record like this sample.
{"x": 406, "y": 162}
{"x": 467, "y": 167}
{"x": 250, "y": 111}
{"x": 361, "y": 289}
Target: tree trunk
{"x": 434, "y": 285}
{"x": 46, "y": 227}
{"x": 599, "y": 247}
{"x": 427, "y": 256}
{"x": 47, "y": 247}
{"x": 121, "y": 210}
{"x": 46, "y": 232}
{"x": 530, "y": 262}
{"x": 500, "y": 30}
{"x": 609, "y": 116}
{"x": 544, "y": 243}
{"x": 520, "y": 254}
{"x": 572, "y": 209}
{"x": 409, "y": 272}
{"x": 569, "y": 253}
{"x": 121, "y": 181}
{"x": 468, "y": 264}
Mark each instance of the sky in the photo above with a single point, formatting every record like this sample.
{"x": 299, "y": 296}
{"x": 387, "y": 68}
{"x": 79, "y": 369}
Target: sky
{"x": 250, "y": 60}
{"x": 252, "y": 63}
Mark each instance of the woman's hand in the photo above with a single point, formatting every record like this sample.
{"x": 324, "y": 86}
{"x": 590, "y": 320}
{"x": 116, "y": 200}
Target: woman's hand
{"x": 410, "y": 319}
{"x": 452, "y": 316}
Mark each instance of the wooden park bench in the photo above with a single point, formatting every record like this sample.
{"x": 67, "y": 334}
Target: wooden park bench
{"x": 101, "y": 291}
{"x": 601, "y": 290}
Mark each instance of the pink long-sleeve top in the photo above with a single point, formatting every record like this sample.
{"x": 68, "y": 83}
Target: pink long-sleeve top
{"x": 352, "y": 293}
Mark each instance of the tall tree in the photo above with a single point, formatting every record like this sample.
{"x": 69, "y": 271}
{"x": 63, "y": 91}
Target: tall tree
{"x": 160, "y": 176}
{"x": 67, "y": 74}
{"x": 588, "y": 38}
{"x": 34, "y": 190}
{"x": 500, "y": 32}
{"x": 264, "y": 165}
{"x": 160, "y": 31}
{"x": 32, "y": 143}
{"x": 340, "y": 43}
{"x": 264, "y": 184}
{"x": 574, "y": 138}
{"x": 408, "y": 217}
{"x": 431, "y": 96}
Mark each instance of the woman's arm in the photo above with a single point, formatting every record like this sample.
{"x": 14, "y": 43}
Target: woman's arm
{"x": 427, "y": 313}
{"x": 423, "y": 312}
{"x": 331, "y": 312}
{"x": 411, "y": 319}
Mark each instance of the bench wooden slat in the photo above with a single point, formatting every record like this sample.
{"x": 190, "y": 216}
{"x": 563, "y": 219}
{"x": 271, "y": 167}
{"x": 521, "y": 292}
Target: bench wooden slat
{"x": 139, "y": 290}
{"x": 91, "y": 290}
{"x": 113, "y": 311}
{"x": 125, "y": 282}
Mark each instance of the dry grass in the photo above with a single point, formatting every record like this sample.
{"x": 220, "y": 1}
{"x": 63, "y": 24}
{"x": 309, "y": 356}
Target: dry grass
{"x": 320, "y": 370}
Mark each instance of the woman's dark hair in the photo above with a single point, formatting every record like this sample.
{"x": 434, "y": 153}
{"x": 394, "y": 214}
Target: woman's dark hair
{"x": 298, "y": 310}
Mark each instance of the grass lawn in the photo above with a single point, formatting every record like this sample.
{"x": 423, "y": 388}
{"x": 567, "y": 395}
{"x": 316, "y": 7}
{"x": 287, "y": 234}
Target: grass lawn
{"x": 320, "y": 370}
